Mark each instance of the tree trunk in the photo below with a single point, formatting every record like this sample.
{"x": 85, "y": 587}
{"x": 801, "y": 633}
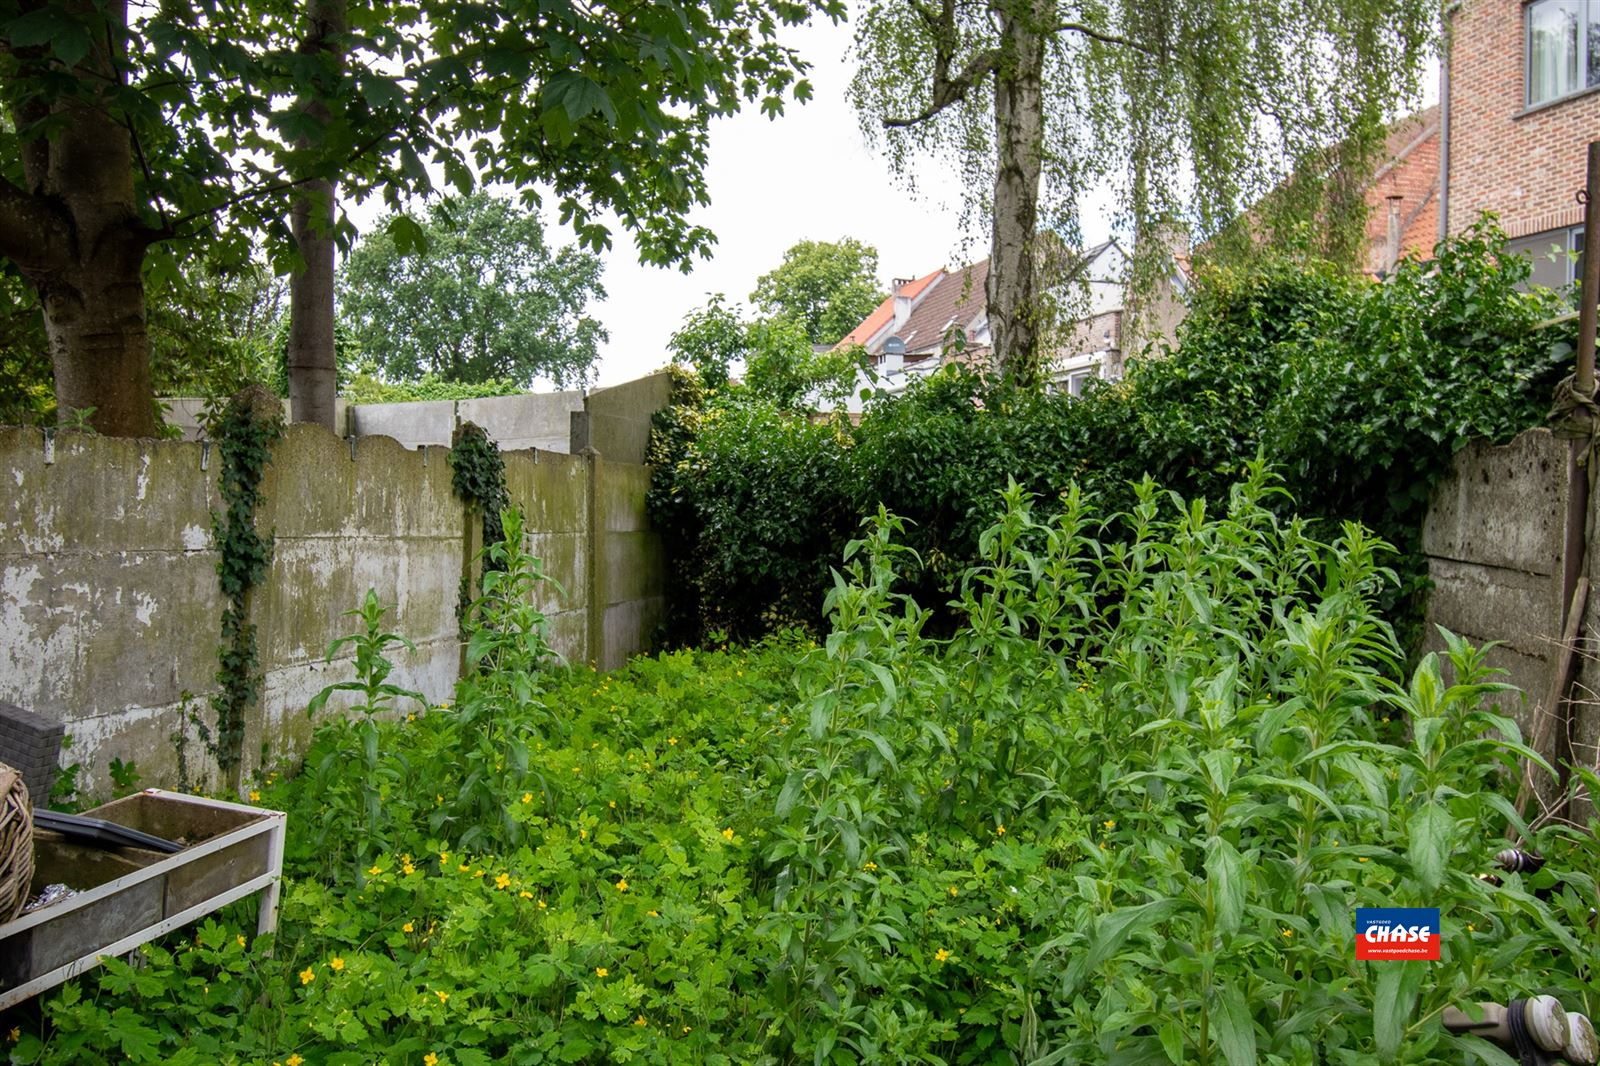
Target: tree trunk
{"x": 75, "y": 235}
{"x": 1012, "y": 287}
{"x": 313, "y": 374}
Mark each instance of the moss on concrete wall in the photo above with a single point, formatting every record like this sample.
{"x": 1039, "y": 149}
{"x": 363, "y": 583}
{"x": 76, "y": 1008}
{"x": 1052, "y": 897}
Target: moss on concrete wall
{"x": 109, "y": 605}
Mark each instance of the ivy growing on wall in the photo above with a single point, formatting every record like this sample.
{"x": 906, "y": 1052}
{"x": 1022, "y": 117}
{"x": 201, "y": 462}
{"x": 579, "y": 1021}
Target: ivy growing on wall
{"x": 478, "y": 475}
{"x": 245, "y": 432}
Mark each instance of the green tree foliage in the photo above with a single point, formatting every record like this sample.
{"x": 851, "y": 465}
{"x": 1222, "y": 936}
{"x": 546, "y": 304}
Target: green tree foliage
{"x": 773, "y": 357}
{"x": 827, "y": 287}
{"x": 140, "y": 128}
{"x": 471, "y": 293}
{"x": 1357, "y": 392}
{"x": 1184, "y": 107}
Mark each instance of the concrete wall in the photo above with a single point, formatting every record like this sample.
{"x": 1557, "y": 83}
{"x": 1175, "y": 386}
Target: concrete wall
{"x": 616, "y": 421}
{"x": 110, "y": 610}
{"x": 531, "y": 420}
{"x": 1493, "y": 541}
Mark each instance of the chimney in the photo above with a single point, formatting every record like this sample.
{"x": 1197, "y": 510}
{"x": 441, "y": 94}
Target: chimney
{"x": 1391, "y": 254}
{"x": 902, "y": 301}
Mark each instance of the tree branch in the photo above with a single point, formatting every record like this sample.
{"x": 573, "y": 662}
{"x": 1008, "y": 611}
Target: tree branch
{"x": 1102, "y": 36}
{"x": 948, "y": 90}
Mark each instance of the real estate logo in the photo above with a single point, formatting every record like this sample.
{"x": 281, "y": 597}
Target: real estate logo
{"x": 1397, "y": 933}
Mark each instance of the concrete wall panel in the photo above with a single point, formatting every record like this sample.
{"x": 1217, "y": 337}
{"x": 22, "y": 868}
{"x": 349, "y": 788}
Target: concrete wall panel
{"x": 110, "y": 609}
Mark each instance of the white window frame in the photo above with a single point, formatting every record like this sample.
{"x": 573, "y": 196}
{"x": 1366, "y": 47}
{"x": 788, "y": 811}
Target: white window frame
{"x": 1589, "y": 13}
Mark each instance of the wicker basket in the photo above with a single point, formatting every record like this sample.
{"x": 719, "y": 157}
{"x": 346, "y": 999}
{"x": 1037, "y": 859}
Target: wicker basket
{"x": 16, "y": 843}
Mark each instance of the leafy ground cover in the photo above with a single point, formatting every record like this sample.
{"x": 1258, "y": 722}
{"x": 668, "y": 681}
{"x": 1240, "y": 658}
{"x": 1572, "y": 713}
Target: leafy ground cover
{"x": 1123, "y": 814}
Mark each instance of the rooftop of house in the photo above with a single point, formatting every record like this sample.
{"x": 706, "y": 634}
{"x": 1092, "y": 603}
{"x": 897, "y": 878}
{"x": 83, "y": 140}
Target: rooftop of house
{"x": 955, "y": 299}
{"x": 883, "y": 314}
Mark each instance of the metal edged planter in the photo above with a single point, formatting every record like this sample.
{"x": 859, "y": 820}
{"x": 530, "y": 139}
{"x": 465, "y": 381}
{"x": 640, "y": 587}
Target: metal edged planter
{"x": 128, "y": 896}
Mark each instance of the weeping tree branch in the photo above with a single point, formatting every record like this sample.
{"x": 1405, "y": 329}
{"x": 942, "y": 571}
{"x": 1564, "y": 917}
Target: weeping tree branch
{"x": 948, "y": 90}
{"x": 1102, "y": 36}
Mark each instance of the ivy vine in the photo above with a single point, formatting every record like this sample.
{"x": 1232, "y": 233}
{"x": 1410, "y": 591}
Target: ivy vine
{"x": 478, "y": 475}
{"x": 245, "y": 432}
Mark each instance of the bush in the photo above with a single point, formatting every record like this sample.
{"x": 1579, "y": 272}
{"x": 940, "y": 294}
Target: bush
{"x": 1123, "y": 814}
{"x": 1358, "y": 393}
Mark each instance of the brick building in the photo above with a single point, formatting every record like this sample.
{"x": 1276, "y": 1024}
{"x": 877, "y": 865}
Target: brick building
{"x": 1402, "y": 195}
{"x": 1521, "y": 101}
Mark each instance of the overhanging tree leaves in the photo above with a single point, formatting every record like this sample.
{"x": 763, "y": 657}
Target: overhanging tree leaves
{"x": 1177, "y": 104}
{"x": 132, "y": 136}
{"x": 482, "y": 298}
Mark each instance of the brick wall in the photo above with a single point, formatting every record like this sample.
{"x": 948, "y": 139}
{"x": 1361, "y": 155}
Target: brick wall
{"x": 1523, "y": 163}
{"x": 1410, "y": 172}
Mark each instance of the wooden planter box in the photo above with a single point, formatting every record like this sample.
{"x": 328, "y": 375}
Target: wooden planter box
{"x": 129, "y": 896}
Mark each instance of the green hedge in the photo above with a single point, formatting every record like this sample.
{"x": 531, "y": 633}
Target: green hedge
{"x": 1356, "y": 392}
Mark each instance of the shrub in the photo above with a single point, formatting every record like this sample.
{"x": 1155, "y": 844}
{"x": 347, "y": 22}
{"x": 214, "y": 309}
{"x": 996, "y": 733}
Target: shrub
{"x": 1357, "y": 392}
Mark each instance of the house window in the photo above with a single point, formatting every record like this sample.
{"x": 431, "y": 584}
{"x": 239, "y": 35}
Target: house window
{"x": 1563, "y": 48}
{"x": 1557, "y": 256}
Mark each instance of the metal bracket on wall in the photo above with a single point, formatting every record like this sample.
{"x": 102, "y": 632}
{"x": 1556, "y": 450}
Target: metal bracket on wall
{"x": 49, "y": 446}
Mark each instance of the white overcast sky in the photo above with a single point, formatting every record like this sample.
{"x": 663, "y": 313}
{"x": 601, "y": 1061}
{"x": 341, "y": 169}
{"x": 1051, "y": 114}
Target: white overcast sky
{"x": 807, "y": 175}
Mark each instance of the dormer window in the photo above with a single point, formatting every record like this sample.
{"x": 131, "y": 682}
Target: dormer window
{"x": 1563, "y": 48}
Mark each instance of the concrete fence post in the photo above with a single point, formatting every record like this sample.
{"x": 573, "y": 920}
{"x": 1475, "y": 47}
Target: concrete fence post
{"x": 594, "y": 576}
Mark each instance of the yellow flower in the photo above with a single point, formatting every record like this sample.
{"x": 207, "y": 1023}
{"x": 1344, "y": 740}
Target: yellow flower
{"x": 307, "y": 975}
{"x": 375, "y": 870}
{"x": 239, "y": 940}
{"x": 601, "y": 971}
{"x": 1287, "y": 933}
{"x": 255, "y": 796}
{"x": 412, "y": 717}
{"x": 953, "y": 891}
{"x": 672, "y": 741}
{"x": 15, "y": 1034}
{"x": 1471, "y": 928}
{"x": 577, "y": 769}
{"x": 430, "y": 1059}
{"x": 653, "y": 913}
{"x": 408, "y": 928}
{"x": 688, "y": 1028}
{"x": 541, "y": 905}
{"x": 622, "y": 884}
{"x": 940, "y": 955}
{"x": 869, "y": 866}
{"x": 583, "y": 834}
{"x": 1362, "y": 858}
{"x": 502, "y": 880}
{"x": 612, "y": 805}
{"x": 1109, "y": 823}
{"x": 294, "y": 1060}
{"x": 438, "y": 797}
{"x": 999, "y": 830}
{"x": 463, "y": 868}
{"x": 727, "y": 834}
{"x": 478, "y": 872}
{"x": 527, "y": 797}
{"x": 444, "y": 857}
{"x": 639, "y": 1020}
{"x": 525, "y": 894}
{"x": 336, "y": 964}
{"x": 443, "y": 996}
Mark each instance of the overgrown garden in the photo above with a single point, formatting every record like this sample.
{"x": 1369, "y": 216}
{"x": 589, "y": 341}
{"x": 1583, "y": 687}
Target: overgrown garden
{"x": 1122, "y": 812}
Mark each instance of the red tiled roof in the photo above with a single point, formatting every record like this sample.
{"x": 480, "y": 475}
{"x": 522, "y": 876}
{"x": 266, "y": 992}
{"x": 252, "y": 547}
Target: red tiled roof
{"x": 957, "y": 299}
{"x": 884, "y": 313}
